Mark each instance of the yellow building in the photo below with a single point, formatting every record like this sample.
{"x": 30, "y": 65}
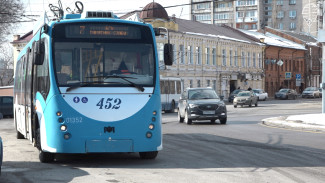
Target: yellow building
{"x": 207, "y": 55}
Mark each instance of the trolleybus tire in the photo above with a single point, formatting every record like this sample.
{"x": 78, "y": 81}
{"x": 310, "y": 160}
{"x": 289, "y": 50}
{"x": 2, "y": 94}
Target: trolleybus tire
{"x": 148, "y": 155}
{"x": 46, "y": 157}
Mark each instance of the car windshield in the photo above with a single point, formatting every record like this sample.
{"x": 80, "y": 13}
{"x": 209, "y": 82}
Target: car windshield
{"x": 284, "y": 90}
{"x": 310, "y": 89}
{"x": 236, "y": 91}
{"x": 257, "y": 91}
{"x": 243, "y": 94}
{"x": 202, "y": 94}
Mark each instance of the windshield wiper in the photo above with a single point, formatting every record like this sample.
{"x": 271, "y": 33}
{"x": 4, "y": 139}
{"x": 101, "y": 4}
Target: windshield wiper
{"x": 125, "y": 78}
{"x": 84, "y": 84}
{"x": 80, "y": 84}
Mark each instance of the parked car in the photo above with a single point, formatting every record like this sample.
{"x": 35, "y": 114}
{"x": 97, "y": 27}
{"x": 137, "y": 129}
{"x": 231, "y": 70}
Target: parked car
{"x": 6, "y": 106}
{"x": 1, "y": 153}
{"x": 311, "y": 92}
{"x": 286, "y": 93}
{"x": 233, "y": 94}
{"x": 246, "y": 98}
{"x": 261, "y": 94}
{"x": 201, "y": 104}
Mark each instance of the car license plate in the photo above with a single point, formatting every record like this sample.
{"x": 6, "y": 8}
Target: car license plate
{"x": 208, "y": 112}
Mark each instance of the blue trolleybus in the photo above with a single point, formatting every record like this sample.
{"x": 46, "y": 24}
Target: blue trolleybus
{"x": 90, "y": 85}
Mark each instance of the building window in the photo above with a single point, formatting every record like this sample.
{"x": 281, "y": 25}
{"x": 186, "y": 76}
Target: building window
{"x": 259, "y": 60}
{"x": 292, "y": 2}
{"x": 236, "y": 58}
{"x": 221, "y": 16}
{"x": 214, "y": 85}
{"x": 243, "y": 59}
{"x": 267, "y": 1}
{"x": 292, "y": 14}
{"x": 203, "y": 6}
{"x": 190, "y": 54}
{"x": 207, "y": 56}
{"x": 199, "y": 55}
{"x": 292, "y": 25}
{"x": 191, "y": 83}
{"x": 279, "y": 2}
{"x": 280, "y": 26}
{"x": 280, "y": 14}
{"x": 208, "y": 83}
{"x": 198, "y": 83}
{"x": 214, "y": 56}
{"x": 254, "y": 59}
{"x": 248, "y": 59}
{"x": 230, "y": 58}
{"x": 224, "y": 57}
{"x": 200, "y": 17}
{"x": 181, "y": 54}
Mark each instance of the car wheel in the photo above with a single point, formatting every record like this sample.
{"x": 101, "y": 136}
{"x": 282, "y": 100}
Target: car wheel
{"x": 256, "y": 104}
{"x": 250, "y": 104}
{"x": 223, "y": 120}
{"x": 235, "y": 106}
{"x": 148, "y": 155}
{"x": 186, "y": 120}
{"x": 180, "y": 119}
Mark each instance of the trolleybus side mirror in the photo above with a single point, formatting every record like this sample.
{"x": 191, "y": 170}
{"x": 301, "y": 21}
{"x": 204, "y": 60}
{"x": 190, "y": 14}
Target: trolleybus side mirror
{"x": 168, "y": 54}
{"x": 39, "y": 50}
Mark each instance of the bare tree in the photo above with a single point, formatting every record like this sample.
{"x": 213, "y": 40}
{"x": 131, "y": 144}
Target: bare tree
{"x": 11, "y": 12}
{"x": 6, "y": 65}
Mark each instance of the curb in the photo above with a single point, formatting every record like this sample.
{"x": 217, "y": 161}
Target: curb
{"x": 281, "y": 122}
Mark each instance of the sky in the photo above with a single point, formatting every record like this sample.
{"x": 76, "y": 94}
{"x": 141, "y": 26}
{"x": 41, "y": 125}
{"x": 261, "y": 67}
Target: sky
{"x": 119, "y": 7}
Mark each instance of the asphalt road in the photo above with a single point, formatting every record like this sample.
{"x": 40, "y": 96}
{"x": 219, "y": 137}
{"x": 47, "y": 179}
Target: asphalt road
{"x": 242, "y": 151}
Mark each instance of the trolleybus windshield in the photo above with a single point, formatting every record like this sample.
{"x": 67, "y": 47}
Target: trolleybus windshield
{"x": 102, "y": 55}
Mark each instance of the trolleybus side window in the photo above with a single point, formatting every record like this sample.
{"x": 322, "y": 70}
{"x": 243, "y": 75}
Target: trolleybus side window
{"x": 41, "y": 74}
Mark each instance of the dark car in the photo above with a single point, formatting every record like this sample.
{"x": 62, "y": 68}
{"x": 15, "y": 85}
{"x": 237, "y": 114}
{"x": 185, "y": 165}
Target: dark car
{"x": 233, "y": 95}
{"x": 286, "y": 93}
{"x": 6, "y": 106}
{"x": 201, "y": 104}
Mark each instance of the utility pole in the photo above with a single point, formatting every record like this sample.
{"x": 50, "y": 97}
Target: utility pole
{"x": 321, "y": 39}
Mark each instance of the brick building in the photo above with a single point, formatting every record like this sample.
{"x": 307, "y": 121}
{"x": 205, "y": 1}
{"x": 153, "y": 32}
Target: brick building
{"x": 284, "y": 62}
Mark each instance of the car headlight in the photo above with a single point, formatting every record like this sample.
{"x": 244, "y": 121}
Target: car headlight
{"x": 192, "y": 105}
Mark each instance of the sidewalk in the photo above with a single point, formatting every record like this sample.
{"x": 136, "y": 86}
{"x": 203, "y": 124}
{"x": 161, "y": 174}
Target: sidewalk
{"x": 306, "y": 122}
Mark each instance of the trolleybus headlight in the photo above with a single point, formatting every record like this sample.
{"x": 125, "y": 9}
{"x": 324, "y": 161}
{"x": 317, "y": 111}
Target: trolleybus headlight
{"x": 59, "y": 113}
{"x": 153, "y": 119}
{"x": 154, "y": 113}
{"x": 151, "y": 126}
{"x": 63, "y": 128}
{"x": 67, "y": 136}
{"x": 61, "y": 120}
{"x": 149, "y": 134}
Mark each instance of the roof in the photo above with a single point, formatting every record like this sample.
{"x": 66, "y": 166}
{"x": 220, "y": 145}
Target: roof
{"x": 304, "y": 37}
{"x": 153, "y": 10}
{"x": 25, "y": 38}
{"x": 274, "y": 40}
{"x": 223, "y": 32}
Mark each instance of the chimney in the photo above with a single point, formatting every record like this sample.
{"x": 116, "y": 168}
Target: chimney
{"x": 16, "y": 37}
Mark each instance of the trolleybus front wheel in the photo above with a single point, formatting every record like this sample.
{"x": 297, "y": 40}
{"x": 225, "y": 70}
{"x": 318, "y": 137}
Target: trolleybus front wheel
{"x": 44, "y": 157}
{"x": 148, "y": 155}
